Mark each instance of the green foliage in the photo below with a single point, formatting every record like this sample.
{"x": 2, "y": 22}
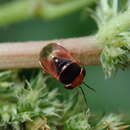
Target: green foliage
{"x": 78, "y": 122}
{"x": 82, "y": 121}
{"x": 114, "y": 58}
{"x": 113, "y": 21}
{"x": 32, "y": 106}
{"x": 23, "y": 102}
{"x": 112, "y": 122}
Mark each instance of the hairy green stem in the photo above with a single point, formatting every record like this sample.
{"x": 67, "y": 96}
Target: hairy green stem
{"x": 22, "y": 10}
{"x": 113, "y": 27}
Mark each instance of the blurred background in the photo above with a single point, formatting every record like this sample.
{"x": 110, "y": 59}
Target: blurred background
{"x": 112, "y": 95}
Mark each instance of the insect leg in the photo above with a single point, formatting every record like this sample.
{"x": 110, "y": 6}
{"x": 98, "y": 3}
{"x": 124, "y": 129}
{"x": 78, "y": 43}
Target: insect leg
{"x": 89, "y": 87}
{"x": 83, "y": 95}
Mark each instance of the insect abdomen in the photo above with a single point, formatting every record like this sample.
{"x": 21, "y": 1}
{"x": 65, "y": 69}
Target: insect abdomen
{"x": 70, "y": 73}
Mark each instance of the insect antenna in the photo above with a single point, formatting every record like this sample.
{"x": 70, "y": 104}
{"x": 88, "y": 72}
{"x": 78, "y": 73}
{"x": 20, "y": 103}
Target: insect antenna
{"x": 89, "y": 87}
{"x": 83, "y": 95}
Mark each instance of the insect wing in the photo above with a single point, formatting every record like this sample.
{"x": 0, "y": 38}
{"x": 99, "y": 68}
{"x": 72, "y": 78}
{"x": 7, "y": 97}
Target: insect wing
{"x": 48, "y": 53}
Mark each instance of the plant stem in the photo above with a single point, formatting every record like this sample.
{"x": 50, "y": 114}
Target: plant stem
{"x": 26, "y": 54}
{"x": 15, "y": 12}
{"x": 115, "y": 26}
{"x": 51, "y": 11}
{"x": 25, "y": 9}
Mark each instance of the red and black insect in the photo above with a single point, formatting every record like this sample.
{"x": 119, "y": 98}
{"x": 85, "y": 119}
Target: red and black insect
{"x": 57, "y": 61}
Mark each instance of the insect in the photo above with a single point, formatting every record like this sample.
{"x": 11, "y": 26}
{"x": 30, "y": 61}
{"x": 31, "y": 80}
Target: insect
{"x": 58, "y": 62}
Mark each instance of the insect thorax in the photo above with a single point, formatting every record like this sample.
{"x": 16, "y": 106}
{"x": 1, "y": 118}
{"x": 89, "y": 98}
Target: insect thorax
{"x": 60, "y": 64}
